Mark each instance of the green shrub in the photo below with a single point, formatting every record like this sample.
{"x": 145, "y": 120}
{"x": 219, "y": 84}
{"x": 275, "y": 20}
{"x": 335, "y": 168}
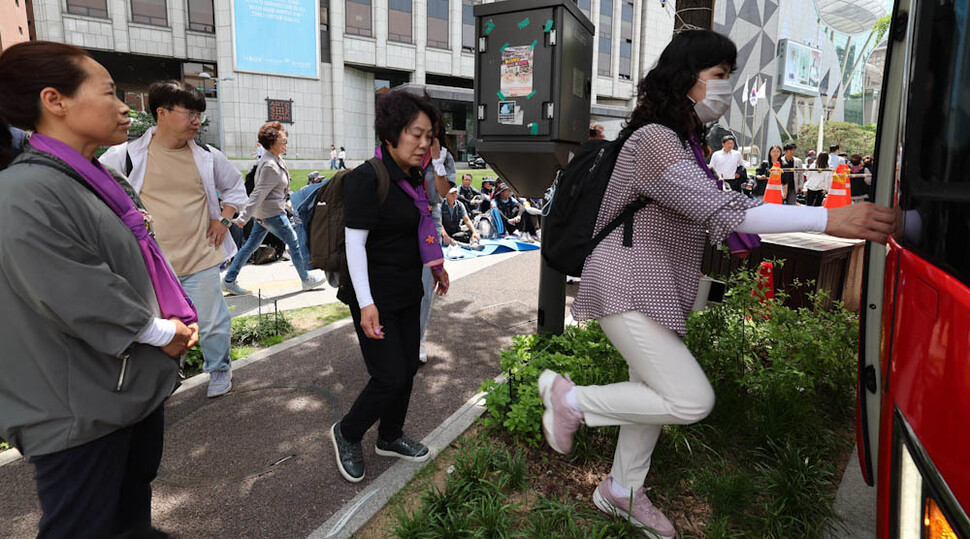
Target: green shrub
{"x": 253, "y": 330}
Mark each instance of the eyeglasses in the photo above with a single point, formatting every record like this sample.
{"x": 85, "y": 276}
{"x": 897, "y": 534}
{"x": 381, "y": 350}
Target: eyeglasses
{"x": 200, "y": 116}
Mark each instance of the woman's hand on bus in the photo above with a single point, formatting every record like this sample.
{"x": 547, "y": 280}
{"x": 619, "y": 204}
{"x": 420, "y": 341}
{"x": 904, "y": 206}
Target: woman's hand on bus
{"x": 865, "y": 220}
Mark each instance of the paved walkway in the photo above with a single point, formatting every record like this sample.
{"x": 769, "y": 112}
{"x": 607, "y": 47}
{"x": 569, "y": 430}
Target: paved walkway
{"x": 258, "y": 462}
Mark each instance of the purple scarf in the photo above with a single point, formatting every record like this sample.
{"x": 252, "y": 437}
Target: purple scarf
{"x": 739, "y": 243}
{"x": 428, "y": 244}
{"x": 172, "y": 299}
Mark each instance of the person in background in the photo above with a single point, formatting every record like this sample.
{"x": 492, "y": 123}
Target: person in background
{"x": 267, "y": 204}
{"x": 513, "y": 214}
{"x": 341, "y": 158}
{"x": 790, "y": 180}
{"x": 817, "y": 183}
{"x": 467, "y": 195}
{"x": 726, "y": 163}
{"x": 764, "y": 171}
{"x": 487, "y": 192}
{"x": 453, "y": 215}
{"x": 596, "y": 131}
{"x": 810, "y": 159}
{"x": 859, "y": 185}
{"x": 835, "y": 158}
{"x": 333, "y": 157}
{"x": 192, "y": 192}
{"x": 642, "y": 305}
{"x": 387, "y": 246}
{"x": 95, "y": 320}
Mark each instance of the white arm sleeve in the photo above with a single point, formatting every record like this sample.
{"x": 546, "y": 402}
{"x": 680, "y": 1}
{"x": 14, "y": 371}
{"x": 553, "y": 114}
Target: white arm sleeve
{"x": 159, "y": 333}
{"x": 356, "y": 241}
{"x": 777, "y": 219}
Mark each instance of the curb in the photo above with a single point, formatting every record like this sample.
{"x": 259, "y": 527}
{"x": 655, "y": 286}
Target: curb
{"x": 358, "y": 511}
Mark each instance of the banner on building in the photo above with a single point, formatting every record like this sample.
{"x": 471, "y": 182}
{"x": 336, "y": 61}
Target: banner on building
{"x": 276, "y": 37}
{"x": 799, "y": 68}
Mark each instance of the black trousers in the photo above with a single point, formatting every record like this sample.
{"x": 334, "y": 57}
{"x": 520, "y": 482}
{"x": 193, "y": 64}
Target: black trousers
{"x": 102, "y": 488}
{"x": 814, "y": 198}
{"x": 392, "y": 363}
{"x": 526, "y": 224}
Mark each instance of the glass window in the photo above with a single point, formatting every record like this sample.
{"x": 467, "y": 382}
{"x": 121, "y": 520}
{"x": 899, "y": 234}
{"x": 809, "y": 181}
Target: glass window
{"x": 201, "y": 16}
{"x": 626, "y": 40}
{"x": 934, "y": 184}
{"x": 149, "y": 12}
{"x": 468, "y": 25}
{"x": 359, "y": 22}
{"x": 584, "y": 6}
{"x": 605, "y": 67}
{"x": 325, "y": 31}
{"x": 438, "y": 24}
{"x": 91, "y": 8}
{"x": 191, "y": 72}
{"x": 399, "y": 21}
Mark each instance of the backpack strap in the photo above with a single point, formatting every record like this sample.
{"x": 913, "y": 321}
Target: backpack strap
{"x": 625, "y": 218}
{"x": 383, "y": 179}
{"x": 128, "y": 165}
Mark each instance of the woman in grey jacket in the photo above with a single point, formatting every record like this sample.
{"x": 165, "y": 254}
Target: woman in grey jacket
{"x": 267, "y": 204}
{"x": 94, "y": 318}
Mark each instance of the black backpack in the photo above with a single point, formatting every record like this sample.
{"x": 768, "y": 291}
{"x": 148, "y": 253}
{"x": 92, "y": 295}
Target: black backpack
{"x": 570, "y": 216}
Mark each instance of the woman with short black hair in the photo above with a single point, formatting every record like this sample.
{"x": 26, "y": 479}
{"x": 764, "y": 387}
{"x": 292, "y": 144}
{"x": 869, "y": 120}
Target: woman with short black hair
{"x": 388, "y": 242}
{"x": 641, "y": 295}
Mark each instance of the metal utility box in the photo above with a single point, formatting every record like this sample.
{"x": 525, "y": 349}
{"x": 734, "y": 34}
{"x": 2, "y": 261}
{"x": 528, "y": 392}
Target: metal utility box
{"x": 532, "y": 88}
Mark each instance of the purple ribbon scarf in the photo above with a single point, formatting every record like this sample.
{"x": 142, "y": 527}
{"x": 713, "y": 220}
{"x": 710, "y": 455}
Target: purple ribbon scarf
{"x": 428, "y": 244}
{"x": 739, "y": 243}
{"x": 172, "y": 299}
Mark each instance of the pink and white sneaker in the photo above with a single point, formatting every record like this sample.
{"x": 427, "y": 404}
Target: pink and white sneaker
{"x": 639, "y": 509}
{"x": 560, "y": 420}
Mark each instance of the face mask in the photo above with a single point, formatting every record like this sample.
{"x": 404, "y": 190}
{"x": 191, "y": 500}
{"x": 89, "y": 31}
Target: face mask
{"x": 716, "y": 102}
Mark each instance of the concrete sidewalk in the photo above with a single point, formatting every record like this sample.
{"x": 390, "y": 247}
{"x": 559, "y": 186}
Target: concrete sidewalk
{"x": 258, "y": 462}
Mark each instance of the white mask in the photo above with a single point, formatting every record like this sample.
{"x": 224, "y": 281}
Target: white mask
{"x": 716, "y": 102}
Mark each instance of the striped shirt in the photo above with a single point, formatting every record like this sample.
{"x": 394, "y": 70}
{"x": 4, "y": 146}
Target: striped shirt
{"x": 659, "y": 275}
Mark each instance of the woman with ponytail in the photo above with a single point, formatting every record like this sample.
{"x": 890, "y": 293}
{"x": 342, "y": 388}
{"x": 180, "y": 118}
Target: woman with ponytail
{"x": 95, "y": 320}
{"x": 641, "y": 294}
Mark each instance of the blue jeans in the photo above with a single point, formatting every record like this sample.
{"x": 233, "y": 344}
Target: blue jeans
{"x": 333, "y": 163}
{"x": 278, "y": 225}
{"x": 214, "y": 318}
{"x": 427, "y": 279}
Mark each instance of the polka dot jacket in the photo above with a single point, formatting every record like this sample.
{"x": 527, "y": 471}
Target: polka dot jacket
{"x": 658, "y": 275}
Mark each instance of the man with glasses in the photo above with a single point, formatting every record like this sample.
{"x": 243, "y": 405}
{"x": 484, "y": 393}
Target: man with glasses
{"x": 180, "y": 183}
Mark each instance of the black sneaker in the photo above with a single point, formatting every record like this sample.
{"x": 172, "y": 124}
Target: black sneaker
{"x": 404, "y": 448}
{"x": 350, "y": 456}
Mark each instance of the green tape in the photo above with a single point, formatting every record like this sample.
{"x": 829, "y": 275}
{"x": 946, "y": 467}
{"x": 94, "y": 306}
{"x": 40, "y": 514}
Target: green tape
{"x": 533, "y": 128}
{"x": 534, "y": 43}
{"x": 548, "y": 26}
{"x": 530, "y": 95}
{"x": 489, "y": 26}
{"x": 500, "y": 95}
{"x": 505, "y": 46}
{"x": 524, "y": 23}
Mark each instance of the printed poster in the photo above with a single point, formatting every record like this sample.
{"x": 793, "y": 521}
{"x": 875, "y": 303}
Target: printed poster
{"x": 517, "y": 71}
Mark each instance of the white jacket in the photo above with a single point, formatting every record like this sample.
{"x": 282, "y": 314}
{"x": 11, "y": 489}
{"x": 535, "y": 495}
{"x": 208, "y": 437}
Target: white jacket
{"x": 219, "y": 177}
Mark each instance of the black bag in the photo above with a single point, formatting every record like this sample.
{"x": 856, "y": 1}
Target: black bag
{"x": 251, "y": 179}
{"x": 570, "y": 215}
{"x": 326, "y": 230}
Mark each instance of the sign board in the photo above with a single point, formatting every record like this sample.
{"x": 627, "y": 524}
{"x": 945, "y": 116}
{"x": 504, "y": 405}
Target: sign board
{"x": 276, "y": 37}
{"x": 799, "y": 68}
{"x": 279, "y": 110}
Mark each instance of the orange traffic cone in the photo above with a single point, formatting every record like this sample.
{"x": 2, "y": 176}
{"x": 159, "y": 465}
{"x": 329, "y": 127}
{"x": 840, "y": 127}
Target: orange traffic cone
{"x": 838, "y": 193}
{"x": 773, "y": 189}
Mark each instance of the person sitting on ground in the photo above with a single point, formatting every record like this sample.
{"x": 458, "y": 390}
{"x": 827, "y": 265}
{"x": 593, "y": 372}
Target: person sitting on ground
{"x": 487, "y": 192}
{"x": 512, "y": 213}
{"x": 468, "y": 195}
{"x": 453, "y": 215}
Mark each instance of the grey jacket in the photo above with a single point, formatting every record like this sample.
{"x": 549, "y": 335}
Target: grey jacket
{"x": 269, "y": 190}
{"x": 75, "y": 293}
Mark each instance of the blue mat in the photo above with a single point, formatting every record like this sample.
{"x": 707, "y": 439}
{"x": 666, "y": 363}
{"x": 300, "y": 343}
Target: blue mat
{"x": 492, "y": 247}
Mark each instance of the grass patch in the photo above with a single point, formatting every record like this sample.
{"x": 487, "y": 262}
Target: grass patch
{"x": 765, "y": 463}
{"x": 254, "y": 332}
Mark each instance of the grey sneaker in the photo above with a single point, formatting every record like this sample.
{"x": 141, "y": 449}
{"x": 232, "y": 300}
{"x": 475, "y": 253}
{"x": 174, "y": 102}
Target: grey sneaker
{"x": 350, "y": 456}
{"x": 313, "y": 282}
{"x": 220, "y": 382}
{"x": 233, "y": 289}
{"x": 637, "y": 508}
{"x": 404, "y": 448}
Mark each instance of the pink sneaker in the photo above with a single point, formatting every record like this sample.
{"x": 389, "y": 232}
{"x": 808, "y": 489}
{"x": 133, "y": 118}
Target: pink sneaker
{"x": 560, "y": 420}
{"x": 641, "y": 511}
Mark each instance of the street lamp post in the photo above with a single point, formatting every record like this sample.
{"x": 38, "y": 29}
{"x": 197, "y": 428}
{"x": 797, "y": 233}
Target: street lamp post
{"x": 217, "y": 80}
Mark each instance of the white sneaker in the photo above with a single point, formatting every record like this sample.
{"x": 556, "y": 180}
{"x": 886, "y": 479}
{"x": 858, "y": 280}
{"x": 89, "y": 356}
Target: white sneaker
{"x": 313, "y": 282}
{"x": 422, "y": 354}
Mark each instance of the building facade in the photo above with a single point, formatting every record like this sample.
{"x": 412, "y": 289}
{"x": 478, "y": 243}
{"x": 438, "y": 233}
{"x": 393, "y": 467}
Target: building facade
{"x": 365, "y": 47}
{"x": 15, "y": 23}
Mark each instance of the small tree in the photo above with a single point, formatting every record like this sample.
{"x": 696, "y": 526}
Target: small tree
{"x": 853, "y": 138}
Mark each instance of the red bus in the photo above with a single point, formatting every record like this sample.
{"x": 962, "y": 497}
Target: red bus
{"x": 914, "y": 356}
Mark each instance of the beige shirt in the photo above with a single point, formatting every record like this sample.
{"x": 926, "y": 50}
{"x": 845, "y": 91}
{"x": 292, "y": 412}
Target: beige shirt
{"x": 174, "y": 196}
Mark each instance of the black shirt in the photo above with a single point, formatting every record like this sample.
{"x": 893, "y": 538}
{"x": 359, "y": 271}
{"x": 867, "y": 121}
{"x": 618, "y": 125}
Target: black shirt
{"x": 393, "y": 260}
{"x": 509, "y": 207}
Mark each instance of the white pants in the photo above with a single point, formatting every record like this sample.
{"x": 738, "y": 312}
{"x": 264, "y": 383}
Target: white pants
{"x": 666, "y": 386}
